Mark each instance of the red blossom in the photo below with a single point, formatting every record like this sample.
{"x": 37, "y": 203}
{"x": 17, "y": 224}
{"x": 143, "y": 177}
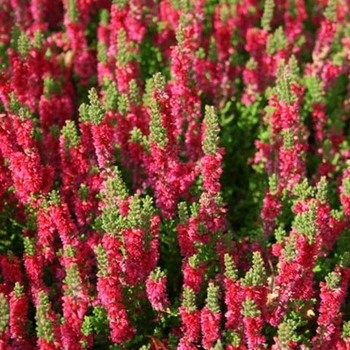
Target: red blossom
{"x": 193, "y": 276}
{"x": 210, "y": 325}
{"x": 191, "y": 326}
{"x": 252, "y": 329}
{"x": 156, "y": 293}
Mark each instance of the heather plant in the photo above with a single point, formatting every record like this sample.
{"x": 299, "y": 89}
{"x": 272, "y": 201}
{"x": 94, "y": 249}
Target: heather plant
{"x": 174, "y": 174}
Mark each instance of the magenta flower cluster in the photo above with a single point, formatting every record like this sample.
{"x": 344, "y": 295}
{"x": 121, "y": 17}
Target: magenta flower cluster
{"x": 174, "y": 174}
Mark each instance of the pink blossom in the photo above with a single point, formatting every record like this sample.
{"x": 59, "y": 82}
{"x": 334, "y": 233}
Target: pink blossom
{"x": 210, "y": 327}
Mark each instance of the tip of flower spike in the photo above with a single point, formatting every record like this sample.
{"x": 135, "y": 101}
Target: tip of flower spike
{"x": 93, "y": 111}
{"x": 29, "y": 246}
{"x": 322, "y": 190}
{"x": 111, "y": 96}
{"x": 104, "y": 17}
{"x": 276, "y": 41}
{"x": 333, "y": 280}
{"x": 283, "y": 83}
{"x": 38, "y": 39}
{"x": 18, "y": 290}
{"x": 51, "y": 86}
{"x": 157, "y": 131}
{"x": 230, "y": 269}
{"x": 212, "y": 301}
{"x": 250, "y": 309}
{"x": 189, "y": 299}
{"x": 102, "y": 53}
{"x": 211, "y": 131}
{"x": 285, "y": 333}
{"x": 120, "y": 3}
{"x": 72, "y": 10}
{"x": 70, "y": 135}
{"x": 331, "y": 10}
{"x": 23, "y": 44}
{"x": 256, "y": 275}
{"x": 123, "y": 56}
{"x": 268, "y": 14}
{"x": 4, "y": 313}
{"x": 183, "y": 212}
{"x": 345, "y": 260}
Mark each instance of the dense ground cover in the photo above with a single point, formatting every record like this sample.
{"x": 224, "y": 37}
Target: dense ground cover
{"x": 174, "y": 174}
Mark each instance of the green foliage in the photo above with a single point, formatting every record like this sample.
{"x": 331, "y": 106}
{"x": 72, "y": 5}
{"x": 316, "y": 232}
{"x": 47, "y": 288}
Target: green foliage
{"x": 87, "y": 326}
{"x": 298, "y": 324}
{"x": 97, "y": 324}
{"x": 150, "y": 57}
{"x": 51, "y": 87}
{"x": 14, "y": 105}
{"x": 54, "y": 198}
{"x": 83, "y": 192}
{"x": 242, "y": 186}
{"x": 335, "y": 97}
{"x": 170, "y": 258}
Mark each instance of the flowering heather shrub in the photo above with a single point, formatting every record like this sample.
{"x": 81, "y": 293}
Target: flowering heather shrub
{"x": 174, "y": 174}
